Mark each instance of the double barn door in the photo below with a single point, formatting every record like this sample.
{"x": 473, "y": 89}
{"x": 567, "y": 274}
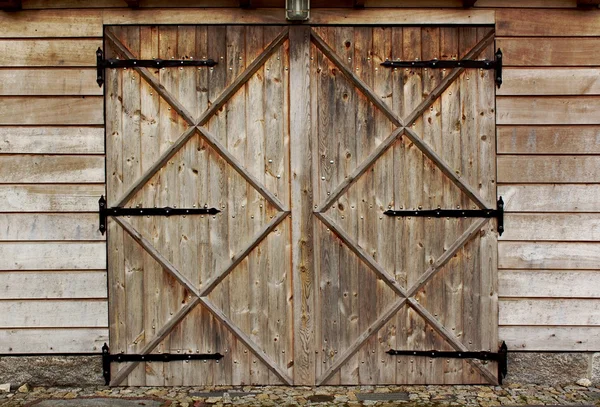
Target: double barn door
{"x": 301, "y": 140}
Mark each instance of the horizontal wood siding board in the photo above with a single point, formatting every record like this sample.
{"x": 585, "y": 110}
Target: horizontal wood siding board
{"x": 51, "y": 140}
{"x": 568, "y": 169}
{"x": 52, "y": 256}
{"x": 551, "y": 197}
{"x": 50, "y": 197}
{"x": 547, "y": 23}
{"x": 49, "y": 226}
{"x": 548, "y": 255}
{"x": 60, "y": 110}
{"x": 51, "y": 169}
{"x": 549, "y": 283}
{"x": 42, "y": 81}
{"x": 532, "y": 51}
{"x": 548, "y": 139}
{"x": 550, "y": 81}
{"x": 53, "y": 340}
{"x": 52, "y": 285}
{"x": 54, "y": 52}
{"x": 552, "y": 227}
{"x": 53, "y": 314}
{"x": 530, "y": 110}
{"x": 551, "y": 338}
{"x": 549, "y": 311}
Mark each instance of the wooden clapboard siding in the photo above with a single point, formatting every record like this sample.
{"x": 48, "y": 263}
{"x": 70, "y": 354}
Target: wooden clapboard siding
{"x": 52, "y": 255}
{"x": 531, "y": 312}
{"x": 549, "y": 255}
{"x": 50, "y": 197}
{"x": 546, "y": 140}
{"x": 552, "y": 227}
{"x": 65, "y": 110}
{"x": 51, "y": 169}
{"x": 53, "y": 313}
{"x": 548, "y": 110}
{"x": 546, "y": 22}
{"x": 551, "y": 338}
{"x": 42, "y": 81}
{"x": 49, "y": 226}
{"x": 550, "y": 81}
{"x": 52, "y": 285}
{"x": 557, "y": 169}
{"x": 48, "y": 52}
{"x": 536, "y": 51}
{"x": 51, "y": 140}
{"x": 53, "y": 340}
{"x": 551, "y": 197}
{"x": 549, "y": 283}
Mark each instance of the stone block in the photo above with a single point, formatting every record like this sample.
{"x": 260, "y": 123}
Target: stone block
{"x": 595, "y": 369}
{"x": 547, "y": 368}
{"x": 51, "y": 370}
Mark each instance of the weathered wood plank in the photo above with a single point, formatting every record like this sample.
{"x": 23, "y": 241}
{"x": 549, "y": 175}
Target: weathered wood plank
{"x": 549, "y": 283}
{"x": 53, "y": 340}
{"x": 50, "y": 198}
{"x": 548, "y": 110}
{"x": 552, "y": 226}
{"x": 51, "y": 23}
{"x": 52, "y": 285}
{"x": 53, "y": 256}
{"x": 551, "y": 198}
{"x": 551, "y": 338}
{"x": 55, "y": 52}
{"x": 546, "y": 23}
{"x": 548, "y": 169}
{"x": 57, "y": 110}
{"x": 49, "y": 226}
{"x": 548, "y": 139}
{"x": 549, "y": 312}
{"x": 51, "y": 168}
{"x": 51, "y": 140}
{"x": 53, "y": 314}
{"x": 526, "y": 4}
{"x": 549, "y": 51}
{"x": 550, "y": 81}
{"x": 25, "y": 82}
{"x": 548, "y": 255}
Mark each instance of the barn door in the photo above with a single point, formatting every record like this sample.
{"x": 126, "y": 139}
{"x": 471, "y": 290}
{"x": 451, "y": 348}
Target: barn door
{"x": 286, "y": 153}
{"x": 388, "y": 138}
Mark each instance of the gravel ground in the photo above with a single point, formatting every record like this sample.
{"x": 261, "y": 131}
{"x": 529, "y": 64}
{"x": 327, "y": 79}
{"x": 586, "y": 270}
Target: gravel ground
{"x": 509, "y": 395}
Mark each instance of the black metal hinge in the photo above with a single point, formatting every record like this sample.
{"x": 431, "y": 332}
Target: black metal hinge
{"x": 497, "y": 213}
{"x": 103, "y": 212}
{"x": 102, "y": 63}
{"x": 107, "y": 358}
{"x": 501, "y": 356}
{"x": 451, "y": 64}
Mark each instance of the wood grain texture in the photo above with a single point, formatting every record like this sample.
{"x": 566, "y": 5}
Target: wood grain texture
{"x": 64, "y": 110}
{"x": 550, "y": 198}
{"x": 53, "y": 52}
{"x": 51, "y": 140}
{"x": 51, "y": 23}
{"x": 550, "y": 81}
{"x": 50, "y": 197}
{"x": 548, "y": 255}
{"x": 52, "y": 256}
{"x": 49, "y": 226}
{"x": 54, "y": 314}
{"x": 61, "y": 82}
{"x": 53, "y": 340}
{"x": 51, "y": 169}
{"x": 549, "y": 51}
{"x": 548, "y": 110}
{"x": 549, "y": 283}
{"x": 533, "y": 312}
{"x": 551, "y": 227}
{"x": 546, "y": 23}
{"x": 548, "y": 139}
{"x": 569, "y": 169}
{"x": 52, "y": 285}
{"x": 551, "y": 338}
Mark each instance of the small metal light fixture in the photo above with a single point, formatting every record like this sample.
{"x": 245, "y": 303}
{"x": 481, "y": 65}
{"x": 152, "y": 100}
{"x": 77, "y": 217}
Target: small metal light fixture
{"x": 297, "y": 10}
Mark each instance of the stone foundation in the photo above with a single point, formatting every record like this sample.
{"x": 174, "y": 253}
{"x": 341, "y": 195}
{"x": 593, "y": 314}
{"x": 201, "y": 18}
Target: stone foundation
{"x": 523, "y": 367}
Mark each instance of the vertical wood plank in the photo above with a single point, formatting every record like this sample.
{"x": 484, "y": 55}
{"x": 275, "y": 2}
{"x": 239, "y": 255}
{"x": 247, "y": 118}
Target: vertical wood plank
{"x": 302, "y": 217}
